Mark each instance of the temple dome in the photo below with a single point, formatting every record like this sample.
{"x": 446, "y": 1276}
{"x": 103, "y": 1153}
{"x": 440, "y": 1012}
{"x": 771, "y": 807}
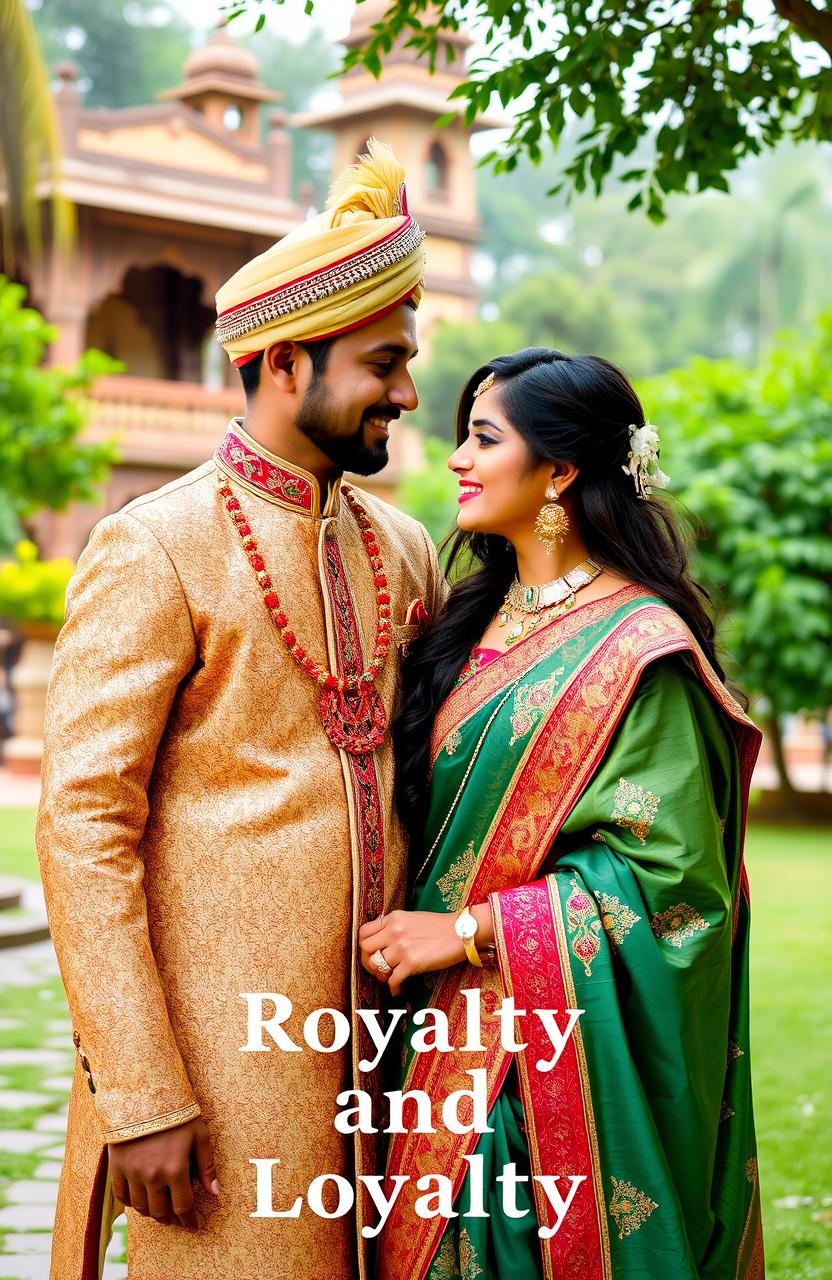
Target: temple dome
{"x": 221, "y": 57}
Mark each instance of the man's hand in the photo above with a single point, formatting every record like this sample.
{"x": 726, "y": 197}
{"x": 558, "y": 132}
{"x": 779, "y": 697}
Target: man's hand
{"x": 153, "y": 1174}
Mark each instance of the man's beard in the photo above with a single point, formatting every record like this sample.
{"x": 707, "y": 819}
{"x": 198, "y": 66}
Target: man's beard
{"x": 349, "y": 453}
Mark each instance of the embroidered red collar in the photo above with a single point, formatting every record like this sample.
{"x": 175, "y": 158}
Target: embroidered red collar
{"x": 242, "y": 458}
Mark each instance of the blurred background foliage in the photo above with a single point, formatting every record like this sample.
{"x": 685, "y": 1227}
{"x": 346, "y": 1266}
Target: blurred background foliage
{"x": 42, "y": 414}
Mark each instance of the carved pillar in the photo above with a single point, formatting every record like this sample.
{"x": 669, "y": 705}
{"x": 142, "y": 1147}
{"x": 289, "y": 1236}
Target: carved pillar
{"x": 280, "y": 153}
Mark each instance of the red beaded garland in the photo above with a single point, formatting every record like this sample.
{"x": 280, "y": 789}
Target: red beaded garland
{"x": 327, "y": 679}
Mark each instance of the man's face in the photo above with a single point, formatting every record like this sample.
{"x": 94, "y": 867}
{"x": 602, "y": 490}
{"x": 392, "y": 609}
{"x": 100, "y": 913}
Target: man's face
{"x": 346, "y": 411}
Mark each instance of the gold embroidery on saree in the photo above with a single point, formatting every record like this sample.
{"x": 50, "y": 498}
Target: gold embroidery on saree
{"x": 726, "y": 1111}
{"x": 531, "y": 702}
{"x": 677, "y": 924}
{"x": 616, "y": 917}
{"x": 635, "y": 809}
{"x": 445, "y": 1265}
{"x": 452, "y": 884}
{"x": 629, "y": 1207}
{"x": 469, "y": 1268}
{"x": 734, "y": 1051}
{"x": 451, "y": 1263}
{"x": 600, "y": 837}
{"x": 751, "y": 1169}
{"x": 453, "y": 741}
{"x": 584, "y": 927}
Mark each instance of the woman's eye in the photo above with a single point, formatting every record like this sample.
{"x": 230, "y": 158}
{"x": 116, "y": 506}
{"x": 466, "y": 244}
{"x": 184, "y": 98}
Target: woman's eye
{"x": 486, "y": 440}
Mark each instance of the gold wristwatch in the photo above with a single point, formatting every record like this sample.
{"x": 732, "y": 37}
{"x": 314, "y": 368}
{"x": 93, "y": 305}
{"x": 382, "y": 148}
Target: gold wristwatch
{"x": 466, "y": 928}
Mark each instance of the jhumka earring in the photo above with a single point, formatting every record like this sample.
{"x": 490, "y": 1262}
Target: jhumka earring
{"x": 552, "y": 523}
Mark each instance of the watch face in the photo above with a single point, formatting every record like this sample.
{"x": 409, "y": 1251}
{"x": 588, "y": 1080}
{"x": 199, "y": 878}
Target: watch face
{"x": 466, "y": 927}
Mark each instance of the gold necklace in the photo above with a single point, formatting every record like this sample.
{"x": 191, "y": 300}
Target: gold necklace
{"x": 544, "y": 603}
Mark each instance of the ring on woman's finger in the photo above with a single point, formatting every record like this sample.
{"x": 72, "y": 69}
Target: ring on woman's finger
{"x": 380, "y": 963}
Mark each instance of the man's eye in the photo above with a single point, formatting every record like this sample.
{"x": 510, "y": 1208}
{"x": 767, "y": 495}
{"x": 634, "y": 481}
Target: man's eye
{"x": 384, "y": 368}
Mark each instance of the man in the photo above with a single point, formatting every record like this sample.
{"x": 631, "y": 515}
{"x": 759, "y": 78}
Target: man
{"x": 217, "y": 813}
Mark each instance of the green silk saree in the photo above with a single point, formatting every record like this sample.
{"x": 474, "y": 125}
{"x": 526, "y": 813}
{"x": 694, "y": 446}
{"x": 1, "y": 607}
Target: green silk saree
{"x": 591, "y": 783}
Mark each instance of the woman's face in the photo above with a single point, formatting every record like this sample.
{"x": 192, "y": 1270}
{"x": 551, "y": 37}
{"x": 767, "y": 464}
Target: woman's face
{"x": 501, "y": 487}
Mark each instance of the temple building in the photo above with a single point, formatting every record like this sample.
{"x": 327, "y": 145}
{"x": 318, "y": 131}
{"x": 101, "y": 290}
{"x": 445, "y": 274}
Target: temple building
{"x": 172, "y": 197}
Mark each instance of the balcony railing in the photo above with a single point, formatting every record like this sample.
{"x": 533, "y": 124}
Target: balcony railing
{"x": 178, "y": 424}
{"x": 161, "y": 422}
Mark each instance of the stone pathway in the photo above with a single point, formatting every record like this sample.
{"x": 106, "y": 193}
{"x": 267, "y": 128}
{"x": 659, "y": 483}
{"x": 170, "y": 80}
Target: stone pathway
{"x": 36, "y": 1063}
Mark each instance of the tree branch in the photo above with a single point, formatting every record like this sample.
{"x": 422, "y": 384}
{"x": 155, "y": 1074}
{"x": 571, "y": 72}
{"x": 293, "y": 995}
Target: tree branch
{"x": 803, "y": 15}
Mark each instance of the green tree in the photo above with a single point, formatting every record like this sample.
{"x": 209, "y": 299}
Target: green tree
{"x": 680, "y": 91}
{"x": 126, "y": 53}
{"x": 42, "y": 413}
{"x": 750, "y": 453}
{"x": 428, "y": 494}
{"x": 717, "y": 278}
{"x": 553, "y": 309}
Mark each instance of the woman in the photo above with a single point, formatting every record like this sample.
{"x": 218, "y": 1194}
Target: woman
{"x": 584, "y": 773}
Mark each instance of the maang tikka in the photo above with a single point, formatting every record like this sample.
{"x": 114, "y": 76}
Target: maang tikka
{"x": 552, "y": 522}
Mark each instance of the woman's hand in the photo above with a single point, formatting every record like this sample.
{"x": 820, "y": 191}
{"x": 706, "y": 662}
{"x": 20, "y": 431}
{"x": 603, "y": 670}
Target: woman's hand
{"x": 417, "y": 942}
{"x": 411, "y": 942}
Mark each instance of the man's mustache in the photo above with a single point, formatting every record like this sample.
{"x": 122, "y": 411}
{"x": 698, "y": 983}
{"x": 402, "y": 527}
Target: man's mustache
{"x": 391, "y": 411}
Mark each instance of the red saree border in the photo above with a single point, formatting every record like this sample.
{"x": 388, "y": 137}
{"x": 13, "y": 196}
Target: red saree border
{"x": 566, "y": 753}
{"x": 408, "y": 1243}
{"x": 534, "y": 964}
{"x": 367, "y": 823}
{"x": 478, "y": 689}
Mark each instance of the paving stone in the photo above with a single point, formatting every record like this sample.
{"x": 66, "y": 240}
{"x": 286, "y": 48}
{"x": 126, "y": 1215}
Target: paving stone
{"x": 60, "y": 1084}
{"x": 112, "y": 1271}
{"x": 53, "y": 1122}
{"x": 33, "y": 1242}
{"x": 17, "y": 1099}
{"x": 26, "y": 1267}
{"x": 49, "y": 1169}
{"x": 27, "y": 1217}
{"x": 27, "y": 1191}
{"x": 9, "y": 1024}
{"x": 48, "y": 1153}
{"x": 60, "y": 1024}
{"x": 21, "y": 1141}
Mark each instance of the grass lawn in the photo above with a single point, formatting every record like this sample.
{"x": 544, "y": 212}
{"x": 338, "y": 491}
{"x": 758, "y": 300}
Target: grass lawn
{"x": 790, "y": 869}
{"x": 17, "y": 846}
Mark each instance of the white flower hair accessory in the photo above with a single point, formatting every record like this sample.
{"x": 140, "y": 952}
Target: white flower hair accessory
{"x": 643, "y": 460}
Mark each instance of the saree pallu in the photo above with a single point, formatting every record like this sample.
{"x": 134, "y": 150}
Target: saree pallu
{"x": 592, "y": 785}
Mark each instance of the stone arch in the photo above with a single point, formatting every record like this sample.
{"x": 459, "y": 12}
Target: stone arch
{"x": 155, "y": 322}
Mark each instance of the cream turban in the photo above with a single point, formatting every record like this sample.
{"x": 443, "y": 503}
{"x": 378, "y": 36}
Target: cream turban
{"x": 357, "y": 260}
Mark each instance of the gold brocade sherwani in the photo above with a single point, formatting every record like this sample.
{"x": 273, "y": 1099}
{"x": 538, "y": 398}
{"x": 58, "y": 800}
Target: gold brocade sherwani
{"x": 200, "y": 836}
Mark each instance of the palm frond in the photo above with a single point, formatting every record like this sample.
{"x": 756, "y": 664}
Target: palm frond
{"x": 30, "y": 147}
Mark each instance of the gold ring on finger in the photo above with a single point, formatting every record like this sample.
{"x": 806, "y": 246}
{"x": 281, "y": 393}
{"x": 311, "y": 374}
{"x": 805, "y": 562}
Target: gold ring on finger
{"x": 380, "y": 963}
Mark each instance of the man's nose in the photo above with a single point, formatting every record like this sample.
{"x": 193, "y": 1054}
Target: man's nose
{"x": 404, "y": 393}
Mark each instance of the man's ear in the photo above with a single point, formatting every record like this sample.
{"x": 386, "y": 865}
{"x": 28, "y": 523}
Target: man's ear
{"x": 280, "y": 362}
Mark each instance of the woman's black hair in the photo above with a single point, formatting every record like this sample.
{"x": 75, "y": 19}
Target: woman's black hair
{"x": 567, "y": 409}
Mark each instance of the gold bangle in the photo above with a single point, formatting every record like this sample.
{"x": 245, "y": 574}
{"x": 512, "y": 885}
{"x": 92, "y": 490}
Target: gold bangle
{"x": 466, "y": 928}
